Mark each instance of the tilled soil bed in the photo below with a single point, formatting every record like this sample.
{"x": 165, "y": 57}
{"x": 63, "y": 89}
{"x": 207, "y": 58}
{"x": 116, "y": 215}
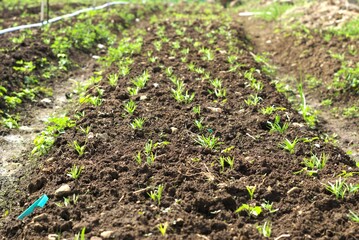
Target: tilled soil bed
{"x": 200, "y": 197}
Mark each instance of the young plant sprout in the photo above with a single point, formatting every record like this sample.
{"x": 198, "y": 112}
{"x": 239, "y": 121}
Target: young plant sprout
{"x": 138, "y": 157}
{"x": 315, "y": 163}
{"x": 254, "y": 211}
{"x": 163, "y": 228}
{"x": 232, "y": 59}
{"x": 138, "y": 123}
{"x": 251, "y": 190}
{"x": 79, "y": 149}
{"x": 265, "y": 229}
{"x": 223, "y": 161}
{"x": 219, "y": 91}
{"x": 276, "y": 127}
{"x": 271, "y": 109}
{"x": 210, "y": 142}
{"x": 169, "y": 71}
{"x": 197, "y": 110}
{"x": 253, "y": 100}
{"x": 80, "y": 235}
{"x": 199, "y": 124}
{"x": 353, "y": 216}
{"x": 339, "y": 188}
{"x": 288, "y": 145}
{"x": 75, "y": 171}
{"x": 269, "y": 206}
{"x": 130, "y": 107}
{"x": 86, "y": 130}
{"x": 113, "y": 79}
{"x": 140, "y": 81}
{"x": 156, "y": 194}
{"x": 133, "y": 91}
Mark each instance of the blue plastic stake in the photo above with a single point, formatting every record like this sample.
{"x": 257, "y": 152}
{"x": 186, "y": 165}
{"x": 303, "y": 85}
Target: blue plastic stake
{"x": 38, "y": 203}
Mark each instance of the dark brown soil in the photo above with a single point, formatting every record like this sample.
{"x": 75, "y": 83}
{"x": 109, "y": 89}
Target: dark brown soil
{"x": 199, "y": 200}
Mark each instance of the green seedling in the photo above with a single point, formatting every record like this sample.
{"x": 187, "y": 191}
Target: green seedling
{"x": 163, "y": 228}
{"x": 113, "y": 79}
{"x": 223, "y": 161}
{"x": 10, "y": 121}
{"x": 75, "y": 171}
{"x": 251, "y": 190}
{"x": 197, "y": 110}
{"x": 219, "y": 91}
{"x": 130, "y": 107}
{"x": 306, "y": 111}
{"x": 253, "y": 100}
{"x": 288, "y": 145}
{"x": 85, "y": 130}
{"x": 276, "y": 127}
{"x": 254, "y": 211}
{"x": 353, "y": 216}
{"x": 210, "y": 142}
{"x": 80, "y": 235}
{"x": 269, "y": 206}
{"x": 133, "y": 91}
{"x": 265, "y": 229}
{"x": 315, "y": 163}
{"x": 138, "y": 123}
{"x": 138, "y": 158}
{"x": 140, "y": 81}
{"x": 339, "y": 188}
{"x": 79, "y": 149}
{"x": 198, "y": 124}
{"x": 156, "y": 195}
{"x": 169, "y": 71}
{"x": 149, "y": 147}
{"x": 271, "y": 109}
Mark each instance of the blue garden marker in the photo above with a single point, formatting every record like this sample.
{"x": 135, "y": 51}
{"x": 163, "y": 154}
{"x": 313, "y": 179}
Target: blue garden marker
{"x": 39, "y": 203}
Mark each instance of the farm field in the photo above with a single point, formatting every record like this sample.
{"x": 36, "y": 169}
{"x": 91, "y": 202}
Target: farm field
{"x": 181, "y": 121}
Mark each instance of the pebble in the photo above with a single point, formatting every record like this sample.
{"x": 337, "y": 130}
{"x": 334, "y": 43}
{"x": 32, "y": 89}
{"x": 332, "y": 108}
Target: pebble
{"x": 174, "y": 130}
{"x": 217, "y": 110}
{"x": 106, "y": 234}
{"x": 64, "y": 190}
{"x": 53, "y": 236}
{"x": 95, "y": 238}
{"x": 143, "y": 97}
{"x": 46, "y": 100}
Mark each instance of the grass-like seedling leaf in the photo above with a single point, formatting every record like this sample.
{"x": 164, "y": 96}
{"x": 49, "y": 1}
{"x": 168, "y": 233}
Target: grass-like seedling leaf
{"x": 156, "y": 194}
{"x": 223, "y": 161}
{"x": 130, "y": 107}
{"x": 198, "y": 124}
{"x": 210, "y": 142}
{"x": 276, "y": 126}
{"x": 113, "y": 79}
{"x": 251, "y": 190}
{"x": 197, "y": 110}
{"x": 265, "y": 229}
{"x": 253, "y": 100}
{"x": 163, "y": 228}
{"x": 269, "y": 206}
{"x": 288, "y": 145}
{"x": 353, "y": 216}
{"x": 79, "y": 149}
{"x": 339, "y": 188}
{"x": 80, "y": 235}
{"x": 75, "y": 171}
{"x": 315, "y": 163}
{"x": 137, "y": 123}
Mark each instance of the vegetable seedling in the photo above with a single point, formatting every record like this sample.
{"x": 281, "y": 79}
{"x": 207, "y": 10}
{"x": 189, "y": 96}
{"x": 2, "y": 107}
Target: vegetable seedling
{"x": 288, "y": 145}
{"x": 265, "y": 229}
{"x": 157, "y": 194}
{"x": 254, "y": 211}
{"x": 163, "y": 228}
{"x": 251, "y": 190}
{"x": 75, "y": 171}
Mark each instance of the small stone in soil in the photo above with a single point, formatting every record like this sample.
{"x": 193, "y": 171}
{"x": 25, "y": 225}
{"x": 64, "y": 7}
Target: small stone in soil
{"x": 64, "y": 190}
{"x": 106, "y": 234}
